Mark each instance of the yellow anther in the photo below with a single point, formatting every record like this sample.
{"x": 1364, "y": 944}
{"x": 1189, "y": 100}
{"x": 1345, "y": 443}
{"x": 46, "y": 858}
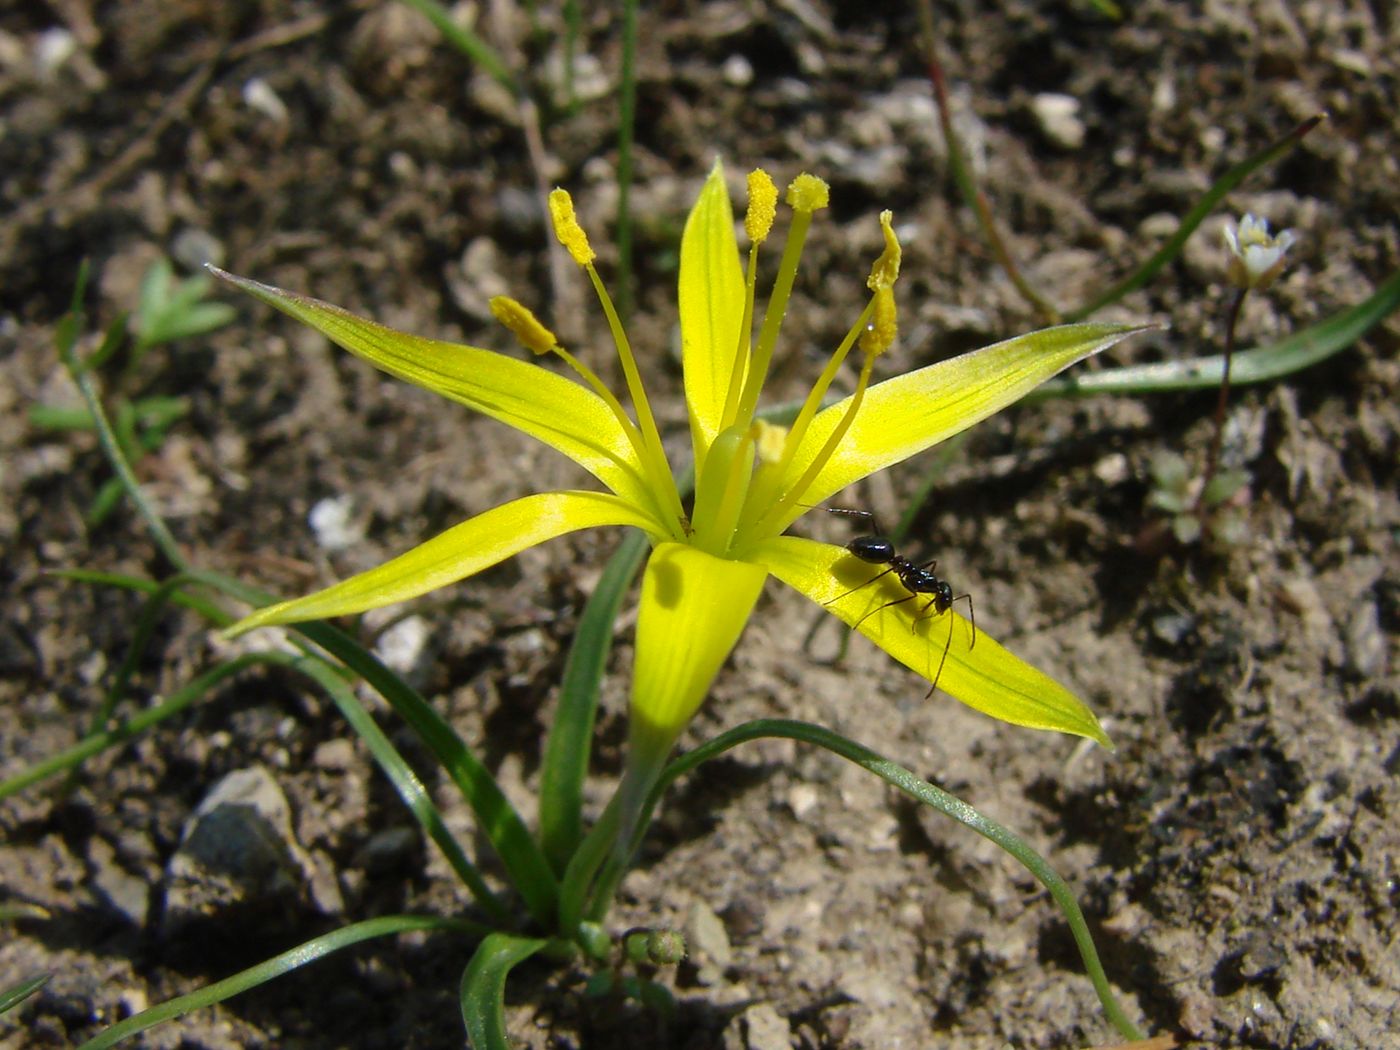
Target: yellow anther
{"x": 763, "y": 201}
{"x": 883, "y": 327}
{"x": 807, "y": 193}
{"x": 567, "y": 229}
{"x": 886, "y": 269}
{"x": 524, "y": 325}
{"x": 770, "y": 440}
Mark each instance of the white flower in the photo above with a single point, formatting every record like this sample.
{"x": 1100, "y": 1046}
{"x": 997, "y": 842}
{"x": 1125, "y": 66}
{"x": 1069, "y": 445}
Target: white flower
{"x": 1255, "y": 257}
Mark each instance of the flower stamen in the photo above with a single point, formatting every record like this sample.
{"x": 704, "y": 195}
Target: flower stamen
{"x": 806, "y": 194}
{"x": 758, "y": 221}
{"x": 650, "y": 450}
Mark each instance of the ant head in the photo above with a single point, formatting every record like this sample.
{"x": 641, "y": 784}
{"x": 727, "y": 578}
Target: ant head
{"x": 943, "y": 596}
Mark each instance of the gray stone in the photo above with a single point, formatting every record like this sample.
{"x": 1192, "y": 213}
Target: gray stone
{"x": 237, "y": 848}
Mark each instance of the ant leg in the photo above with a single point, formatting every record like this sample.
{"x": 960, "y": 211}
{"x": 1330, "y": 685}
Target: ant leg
{"x": 872, "y": 612}
{"x": 971, "y": 617}
{"x": 942, "y": 660}
{"x": 864, "y": 585}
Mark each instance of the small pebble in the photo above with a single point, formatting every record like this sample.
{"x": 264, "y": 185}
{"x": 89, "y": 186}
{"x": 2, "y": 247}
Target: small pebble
{"x": 52, "y": 51}
{"x": 1058, "y": 117}
{"x": 334, "y": 755}
{"x": 738, "y": 71}
{"x": 402, "y": 645}
{"x": 333, "y": 522}
{"x": 1365, "y": 644}
{"x": 259, "y": 96}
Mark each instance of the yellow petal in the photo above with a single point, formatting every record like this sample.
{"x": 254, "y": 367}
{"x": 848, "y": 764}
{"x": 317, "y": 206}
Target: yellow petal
{"x": 982, "y": 675}
{"x": 475, "y": 544}
{"x": 909, "y": 413}
{"x": 694, "y": 607}
{"x": 711, "y": 308}
{"x": 550, "y": 407}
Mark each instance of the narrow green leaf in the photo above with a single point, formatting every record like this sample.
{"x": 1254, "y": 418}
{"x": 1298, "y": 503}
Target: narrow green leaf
{"x": 146, "y": 621}
{"x": 525, "y": 863}
{"x": 118, "y": 734}
{"x": 410, "y": 789}
{"x": 1193, "y": 218}
{"x": 70, "y": 325}
{"x": 109, "y": 495}
{"x": 400, "y": 774}
{"x": 118, "y": 458}
{"x": 17, "y": 993}
{"x": 467, "y": 42}
{"x": 931, "y": 795}
{"x": 210, "y": 610}
{"x": 277, "y": 966}
{"x": 52, "y": 417}
{"x": 571, "y": 734}
{"x": 1298, "y": 351}
{"x": 483, "y": 988}
{"x": 528, "y": 870}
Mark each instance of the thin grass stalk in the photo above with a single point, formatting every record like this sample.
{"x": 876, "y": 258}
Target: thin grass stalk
{"x": 626, "y": 130}
{"x": 277, "y": 966}
{"x": 963, "y": 176}
{"x": 1193, "y": 218}
{"x": 948, "y": 804}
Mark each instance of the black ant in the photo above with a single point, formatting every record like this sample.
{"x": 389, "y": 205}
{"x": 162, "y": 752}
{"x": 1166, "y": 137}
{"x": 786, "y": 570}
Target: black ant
{"x": 878, "y": 549}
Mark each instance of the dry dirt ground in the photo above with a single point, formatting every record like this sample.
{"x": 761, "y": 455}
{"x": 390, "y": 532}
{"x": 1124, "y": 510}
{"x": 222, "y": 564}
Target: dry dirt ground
{"x": 1236, "y": 854}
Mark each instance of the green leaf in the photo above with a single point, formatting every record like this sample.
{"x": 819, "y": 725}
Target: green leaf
{"x": 52, "y": 417}
{"x": 464, "y": 40}
{"x": 483, "y": 988}
{"x": 1207, "y": 204}
{"x": 1300, "y": 350}
{"x": 410, "y": 789}
{"x": 931, "y": 795}
{"x": 171, "y": 310}
{"x": 277, "y": 966}
{"x": 571, "y": 734}
{"x": 525, "y": 863}
{"x": 20, "y": 991}
{"x": 70, "y": 757}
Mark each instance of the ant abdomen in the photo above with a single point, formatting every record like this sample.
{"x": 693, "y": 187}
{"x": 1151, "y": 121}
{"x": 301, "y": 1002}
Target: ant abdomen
{"x": 875, "y": 549}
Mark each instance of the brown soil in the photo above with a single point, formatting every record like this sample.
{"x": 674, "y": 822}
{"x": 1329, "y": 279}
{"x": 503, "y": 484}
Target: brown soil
{"x": 1236, "y": 854}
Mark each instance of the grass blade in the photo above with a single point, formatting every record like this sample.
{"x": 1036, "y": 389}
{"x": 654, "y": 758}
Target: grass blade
{"x": 118, "y": 734}
{"x": 467, "y": 42}
{"x": 277, "y": 966}
{"x": 17, "y": 993}
{"x": 1258, "y": 365}
{"x": 1193, "y": 218}
{"x": 410, "y": 789}
{"x": 930, "y": 795}
{"x": 962, "y": 173}
{"x": 571, "y": 734}
{"x": 390, "y": 761}
{"x": 483, "y": 989}
{"x": 626, "y": 128}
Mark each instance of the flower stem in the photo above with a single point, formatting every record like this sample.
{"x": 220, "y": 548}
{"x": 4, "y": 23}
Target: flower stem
{"x": 1213, "y": 456}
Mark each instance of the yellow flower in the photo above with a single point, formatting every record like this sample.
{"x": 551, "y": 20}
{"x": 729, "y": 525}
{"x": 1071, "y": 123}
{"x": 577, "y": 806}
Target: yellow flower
{"x": 753, "y": 479}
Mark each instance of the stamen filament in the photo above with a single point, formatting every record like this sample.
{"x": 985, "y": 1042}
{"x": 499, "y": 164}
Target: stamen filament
{"x": 652, "y": 453}
{"x": 770, "y": 475}
{"x": 815, "y": 396}
{"x": 741, "y": 351}
{"x": 793, "y": 495}
{"x": 773, "y": 316}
